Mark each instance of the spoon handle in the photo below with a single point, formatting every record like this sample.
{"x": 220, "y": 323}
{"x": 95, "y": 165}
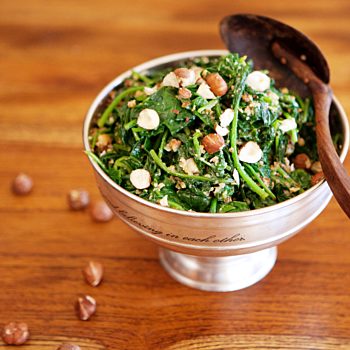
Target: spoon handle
{"x": 333, "y": 169}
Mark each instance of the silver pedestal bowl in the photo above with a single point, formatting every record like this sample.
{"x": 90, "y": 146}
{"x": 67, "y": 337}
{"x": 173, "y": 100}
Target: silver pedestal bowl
{"x": 213, "y": 252}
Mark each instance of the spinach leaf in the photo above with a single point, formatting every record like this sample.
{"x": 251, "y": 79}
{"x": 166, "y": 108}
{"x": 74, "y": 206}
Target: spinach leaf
{"x": 169, "y": 108}
{"x": 301, "y": 177}
{"x": 198, "y": 202}
{"x": 233, "y": 206}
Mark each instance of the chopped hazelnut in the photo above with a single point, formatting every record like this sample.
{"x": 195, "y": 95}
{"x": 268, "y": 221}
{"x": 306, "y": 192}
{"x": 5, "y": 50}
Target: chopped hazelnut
{"x": 226, "y": 117}
{"x": 185, "y": 76}
{"x": 316, "y": 167}
{"x": 132, "y": 103}
{"x": 258, "y": 81}
{"x": 150, "y": 90}
{"x": 148, "y": 119}
{"x": 173, "y": 145}
{"x": 250, "y": 152}
{"x": 140, "y": 178}
{"x": 287, "y": 125}
{"x": 103, "y": 142}
{"x": 171, "y": 79}
{"x": 205, "y": 91}
{"x": 235, "y": 176}
{"x": 185, "y": 93}
{"x": 222, "y": 131}
{"x": 189, "y": 166}
{"x": 246, "y": 97}
{"x": 164, "y": 201}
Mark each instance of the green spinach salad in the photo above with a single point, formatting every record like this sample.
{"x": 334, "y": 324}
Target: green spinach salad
{"x": 209, "y": 135}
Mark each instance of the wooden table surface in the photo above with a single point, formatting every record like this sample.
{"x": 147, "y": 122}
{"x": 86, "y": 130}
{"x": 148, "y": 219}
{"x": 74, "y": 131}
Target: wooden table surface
{"x": 54, "y": 58}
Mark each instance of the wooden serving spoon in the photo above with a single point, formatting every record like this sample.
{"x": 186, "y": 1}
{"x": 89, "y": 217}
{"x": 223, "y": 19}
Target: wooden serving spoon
{"x": 282, "y": 50}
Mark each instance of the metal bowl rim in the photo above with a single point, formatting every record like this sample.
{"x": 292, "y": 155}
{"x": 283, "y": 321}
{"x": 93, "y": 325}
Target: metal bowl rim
{"x": 169, "y": 59}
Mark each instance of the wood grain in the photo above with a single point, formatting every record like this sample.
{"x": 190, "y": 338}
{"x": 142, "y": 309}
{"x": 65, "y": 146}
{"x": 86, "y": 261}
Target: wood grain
{"x": 55, "y": 56}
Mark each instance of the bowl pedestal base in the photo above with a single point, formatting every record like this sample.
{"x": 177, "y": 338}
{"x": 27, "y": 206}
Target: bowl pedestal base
{"x": 218, "y": 274}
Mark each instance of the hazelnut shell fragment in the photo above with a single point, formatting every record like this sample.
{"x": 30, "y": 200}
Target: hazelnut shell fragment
{"x": 85, "y": 307}
{"x": 93, "y": 273}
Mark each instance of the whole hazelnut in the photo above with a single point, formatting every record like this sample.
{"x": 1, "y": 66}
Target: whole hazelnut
{"x": 22, "y": 184}
{"x": 217, "y": 84}
{"x": 302, "y": 161}
{"x": 85, "y": 307}
{"x": 213, "y": 143}
{"x": 78, "y": 199}
{"x": 67, "y": 346}
{"x": 93, "y": 273}
{"x": 15, "y": 333}
{"x": 100, "y": 212}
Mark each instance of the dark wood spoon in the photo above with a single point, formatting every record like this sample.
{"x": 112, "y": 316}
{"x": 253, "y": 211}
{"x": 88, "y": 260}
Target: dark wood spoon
{"x": 283, "y": 51}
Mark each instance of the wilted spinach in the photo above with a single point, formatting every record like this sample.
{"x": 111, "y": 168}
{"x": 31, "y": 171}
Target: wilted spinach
{"x": 183, "y": 174}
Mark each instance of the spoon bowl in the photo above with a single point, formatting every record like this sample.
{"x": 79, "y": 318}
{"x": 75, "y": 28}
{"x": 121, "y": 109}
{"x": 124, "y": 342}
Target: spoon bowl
{"x": 254, "y": 36}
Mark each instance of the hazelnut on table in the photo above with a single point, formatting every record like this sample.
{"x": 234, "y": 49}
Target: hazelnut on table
{"x": 85, "y": 307}
{"x": 78, "y": 199}
{"x": 100, "y": 212}
{"x": 93, "y": 273}
{"x": 15, "y": 333}
{"x": 22, "y": 184}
